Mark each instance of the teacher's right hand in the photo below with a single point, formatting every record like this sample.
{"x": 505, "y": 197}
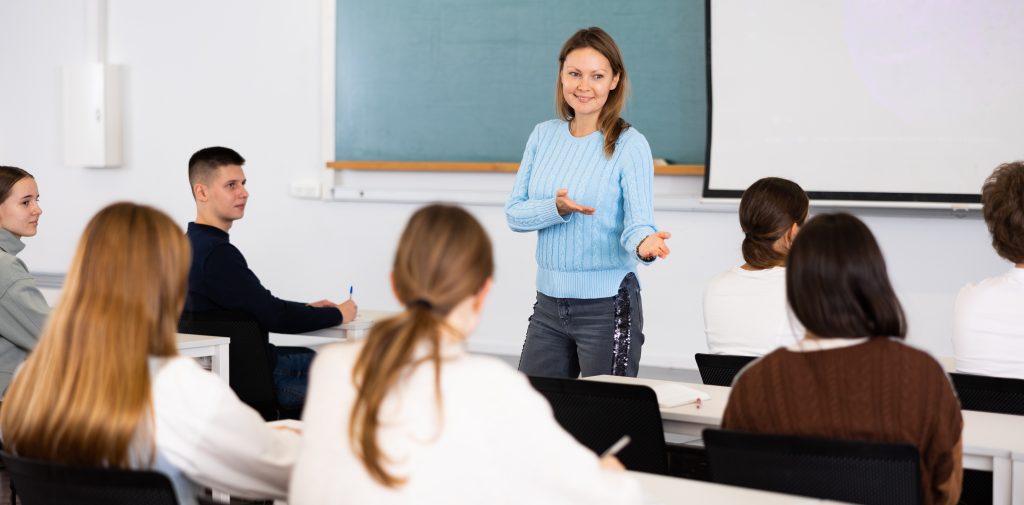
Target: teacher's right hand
{"x": 567, "y": 206}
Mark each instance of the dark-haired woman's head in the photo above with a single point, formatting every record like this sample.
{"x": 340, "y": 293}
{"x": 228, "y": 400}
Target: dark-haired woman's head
{"x": 837, "y": 284}
{"x": 771, "y": 212}
{"x": 1002, "y": 200}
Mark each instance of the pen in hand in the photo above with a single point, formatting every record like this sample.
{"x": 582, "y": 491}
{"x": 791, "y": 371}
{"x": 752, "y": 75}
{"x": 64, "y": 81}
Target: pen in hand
{"x": 617, "y": 446}
{"x": 350, "y": 292}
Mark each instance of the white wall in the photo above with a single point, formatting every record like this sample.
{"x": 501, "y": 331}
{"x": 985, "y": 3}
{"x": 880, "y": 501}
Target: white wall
{"x": 247, "y": 75}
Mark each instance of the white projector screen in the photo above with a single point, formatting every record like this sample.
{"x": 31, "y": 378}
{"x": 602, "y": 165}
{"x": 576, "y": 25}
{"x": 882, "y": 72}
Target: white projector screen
{"x": 888, "y": 100}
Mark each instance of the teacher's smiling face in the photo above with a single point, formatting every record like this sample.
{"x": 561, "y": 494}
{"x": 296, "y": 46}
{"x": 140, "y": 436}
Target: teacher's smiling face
{"x": 587, "y": 78}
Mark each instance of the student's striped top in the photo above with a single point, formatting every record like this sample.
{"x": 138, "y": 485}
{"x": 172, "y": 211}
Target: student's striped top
{"x": 580, "y": 256}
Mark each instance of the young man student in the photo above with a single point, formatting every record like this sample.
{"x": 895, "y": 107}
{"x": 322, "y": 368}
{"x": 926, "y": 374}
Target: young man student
{"x": 220, "y": 279}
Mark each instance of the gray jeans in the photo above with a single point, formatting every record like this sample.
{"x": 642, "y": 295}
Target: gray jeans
{"x": 568, "y": 337}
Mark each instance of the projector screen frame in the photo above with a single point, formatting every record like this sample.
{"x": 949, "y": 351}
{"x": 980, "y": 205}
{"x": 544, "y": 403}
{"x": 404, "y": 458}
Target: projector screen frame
{"x": 903, "y": 200}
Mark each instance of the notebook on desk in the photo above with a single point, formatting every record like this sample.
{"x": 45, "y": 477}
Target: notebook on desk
{"x": 674, "y": 395}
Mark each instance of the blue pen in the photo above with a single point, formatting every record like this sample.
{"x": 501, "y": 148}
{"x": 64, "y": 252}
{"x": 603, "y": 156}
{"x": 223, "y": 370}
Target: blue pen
{"x": 350, "y": 292}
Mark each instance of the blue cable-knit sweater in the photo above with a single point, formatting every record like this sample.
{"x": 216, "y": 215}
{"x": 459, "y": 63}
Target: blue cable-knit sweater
{"x": 580, "y": 256}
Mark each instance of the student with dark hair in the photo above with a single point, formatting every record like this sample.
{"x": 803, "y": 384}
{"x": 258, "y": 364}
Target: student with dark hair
{"x": 408, "y": 416}
{"x": 745, "y": 309}
{"x": 988, "y": 322}
{"x": 23, "y": 309}
{"x": 584, "y": 185}
{"x": 220, "y": 278}
{"x": 851, "y": 377}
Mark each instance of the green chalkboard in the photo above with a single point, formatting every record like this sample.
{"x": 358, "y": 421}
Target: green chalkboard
{"x": 466, "y": 80}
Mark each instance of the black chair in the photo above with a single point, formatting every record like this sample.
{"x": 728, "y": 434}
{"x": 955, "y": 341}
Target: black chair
{"x": 598, "y": 414}
{"x": 843, "y": 470}
{"x": 986, "y": 394}
{"x": 250, "y": 374}
{"x": 989, "y": 394}
{"x": 45, "y": 483}
{"x": 720, "y": 369}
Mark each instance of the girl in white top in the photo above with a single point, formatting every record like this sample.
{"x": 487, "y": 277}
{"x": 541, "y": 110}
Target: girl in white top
{"x": 106, "y": 387}
{"x": 745, "y": 310}
{"x": 408, "y": 416}
{"x": 988, "y": 322}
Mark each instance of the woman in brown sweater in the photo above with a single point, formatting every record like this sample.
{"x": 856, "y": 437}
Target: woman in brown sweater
{"x": 852, "y": 378}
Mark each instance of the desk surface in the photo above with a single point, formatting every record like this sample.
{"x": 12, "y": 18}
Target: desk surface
{"x": 365, "y": 319}
{"x": 352, "y": 329}
{"x": 314, "y": 342}
{"x": 662, "y": 490}
{"x": 710, "y": 412}
{"x": 189, "y": 341}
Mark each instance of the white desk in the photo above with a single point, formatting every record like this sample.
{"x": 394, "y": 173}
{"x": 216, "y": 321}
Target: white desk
{"x": 662, "y": 490}
{"x": 359, "y": 328}
{"x": 686, "y": 420}
{"x": 198, "y": 346}
{"x": 992, "y": 442}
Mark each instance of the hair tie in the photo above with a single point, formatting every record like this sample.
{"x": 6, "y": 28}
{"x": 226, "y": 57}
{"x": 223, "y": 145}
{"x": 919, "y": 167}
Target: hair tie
{"x": 422, "y": 303}
{"x": 748, "y": 235}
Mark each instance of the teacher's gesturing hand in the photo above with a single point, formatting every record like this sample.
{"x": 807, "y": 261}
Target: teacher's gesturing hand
{"x": 654, "y": 245}
{"x": 567, "y": 205}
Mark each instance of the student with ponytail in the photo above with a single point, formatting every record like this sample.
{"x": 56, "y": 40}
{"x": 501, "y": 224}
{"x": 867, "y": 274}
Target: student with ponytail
{"x": 106, "y": 386}
{"x": 408, "y": 416}
{"x": 745, "y": 310}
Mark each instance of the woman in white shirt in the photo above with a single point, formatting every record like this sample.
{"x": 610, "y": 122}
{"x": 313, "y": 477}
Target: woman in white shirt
{"x": 408, "y": 416}
{"x": 745, "y": 311}
{"x": 106, "y": 387}
{"x": 988, "y": 322}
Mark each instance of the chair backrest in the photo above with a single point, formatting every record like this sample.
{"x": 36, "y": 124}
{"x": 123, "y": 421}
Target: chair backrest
{"x": 843, "y": 470}
{"x": 598, "y": 414}
{"x": 250, "y": 375}
{"x": 989, "y": 394}
{"x": 720, "y": 369}
{"x": 44, "y": 483}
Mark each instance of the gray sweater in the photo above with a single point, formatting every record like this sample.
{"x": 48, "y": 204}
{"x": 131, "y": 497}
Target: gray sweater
{"x": 23, "y": 309}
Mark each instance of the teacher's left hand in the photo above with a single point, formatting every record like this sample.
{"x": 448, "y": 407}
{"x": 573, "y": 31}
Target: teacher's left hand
{"x": 654, "y": 245}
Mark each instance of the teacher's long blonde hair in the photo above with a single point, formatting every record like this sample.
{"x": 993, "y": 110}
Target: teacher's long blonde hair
{"x": 83, "y": 396}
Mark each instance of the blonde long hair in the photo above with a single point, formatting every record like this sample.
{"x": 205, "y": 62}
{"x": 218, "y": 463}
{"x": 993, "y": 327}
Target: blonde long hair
{"x": 443, "y": 257}
{"x": 608, "y": 121}
{"x": 83, "y": 396}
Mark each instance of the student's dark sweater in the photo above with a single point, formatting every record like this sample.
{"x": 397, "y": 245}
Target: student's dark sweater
{"x": 220, "y": 279}
{"x": 879, "y": 390}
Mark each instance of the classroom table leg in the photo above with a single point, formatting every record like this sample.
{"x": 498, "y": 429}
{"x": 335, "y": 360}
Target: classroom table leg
{"x": 1002, "y": 480}
{"x": 1018, "y": 483}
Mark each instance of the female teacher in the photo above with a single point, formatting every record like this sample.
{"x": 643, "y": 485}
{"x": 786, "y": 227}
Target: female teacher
{"x": 585, "y": 185}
